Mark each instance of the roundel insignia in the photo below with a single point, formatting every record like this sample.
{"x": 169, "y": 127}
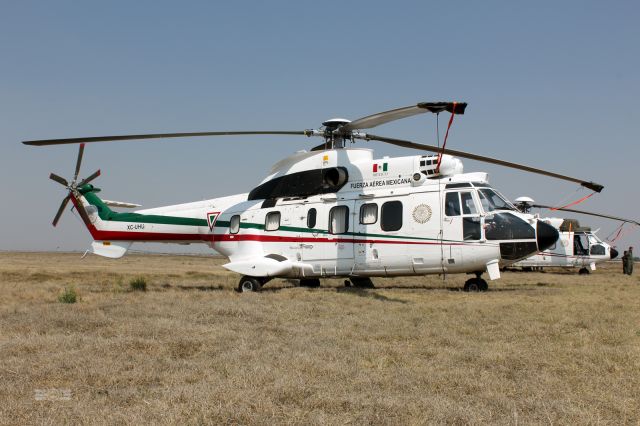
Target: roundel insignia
{"x": 422, "y": 213}
{"x": 565, "y": 243}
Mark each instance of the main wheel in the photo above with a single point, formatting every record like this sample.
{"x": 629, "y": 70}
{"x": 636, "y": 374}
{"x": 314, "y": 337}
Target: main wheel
{"x": 483, "y": 285}
{"x": 249, "y": 284}
{"x": 472, "y": 284}
{"x": 583, "y": 271}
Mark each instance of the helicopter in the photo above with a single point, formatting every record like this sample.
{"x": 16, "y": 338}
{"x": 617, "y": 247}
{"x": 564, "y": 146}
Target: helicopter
{"x": 335, "y": 211}
{"x": 577, "y": 246}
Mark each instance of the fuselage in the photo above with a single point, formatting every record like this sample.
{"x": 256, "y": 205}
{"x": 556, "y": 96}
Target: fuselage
{"x": 577, "y": 247}
{"x": 342, "y": 213}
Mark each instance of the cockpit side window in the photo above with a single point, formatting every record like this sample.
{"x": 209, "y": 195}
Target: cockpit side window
{"x": 452, "y": 204}
{"x": 580, "y": 245}
{"x": 468, "y": 206}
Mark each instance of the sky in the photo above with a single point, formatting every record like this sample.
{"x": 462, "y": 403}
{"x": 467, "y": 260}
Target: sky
{"x": 549, "y": 84}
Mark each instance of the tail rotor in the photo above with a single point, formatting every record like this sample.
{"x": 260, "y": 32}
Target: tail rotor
{"x": 73, "y": 188}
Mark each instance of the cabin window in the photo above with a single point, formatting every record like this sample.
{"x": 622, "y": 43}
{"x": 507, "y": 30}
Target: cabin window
{"x": 339, "y": 220}
{"x": 369, "y": 214}
{"x": 311, "y": 218}
{"x": 272, "y": 221}
{"x": 234, "y": 224}
{"x": 452, "y": 204}
{"x": 391, "y": 213}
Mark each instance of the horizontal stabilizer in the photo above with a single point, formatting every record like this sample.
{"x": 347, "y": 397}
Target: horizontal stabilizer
{"x": 121, "y": 204}
{"x": 110, "y": 249}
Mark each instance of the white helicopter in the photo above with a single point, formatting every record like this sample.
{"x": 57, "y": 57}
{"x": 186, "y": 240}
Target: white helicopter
{"x": 335, "y": 211}
{"x": 577, "y": 246}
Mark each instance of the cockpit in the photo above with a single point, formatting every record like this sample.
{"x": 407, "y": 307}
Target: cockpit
{"x": 485, "y": 213}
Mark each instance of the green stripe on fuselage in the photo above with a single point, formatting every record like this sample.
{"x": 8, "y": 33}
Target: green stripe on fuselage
{"x": 107, "y": 214}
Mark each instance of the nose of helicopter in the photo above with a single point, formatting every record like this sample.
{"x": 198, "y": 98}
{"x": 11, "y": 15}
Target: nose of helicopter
{"x": 613, "y": 253}
{"x": 547, "y": 235}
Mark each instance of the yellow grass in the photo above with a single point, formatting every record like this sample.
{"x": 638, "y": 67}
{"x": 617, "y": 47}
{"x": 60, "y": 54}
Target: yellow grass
{"x": 552, "y": 348}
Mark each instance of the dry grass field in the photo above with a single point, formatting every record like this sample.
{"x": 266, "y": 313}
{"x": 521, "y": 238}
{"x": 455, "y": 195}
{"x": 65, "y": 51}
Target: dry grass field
{"x": 553, "y": 348}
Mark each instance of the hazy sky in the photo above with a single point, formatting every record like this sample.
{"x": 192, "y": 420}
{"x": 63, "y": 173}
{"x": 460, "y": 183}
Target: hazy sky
{"x": 550, "y": 84}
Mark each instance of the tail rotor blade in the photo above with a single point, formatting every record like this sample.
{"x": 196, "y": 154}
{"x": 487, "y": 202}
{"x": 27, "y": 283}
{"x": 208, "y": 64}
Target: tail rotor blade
{"x": 63, "y": 205}
{"x": 59, "y": 179}
{"x": 90, "y": 178}
{"x": 78, "y": 162}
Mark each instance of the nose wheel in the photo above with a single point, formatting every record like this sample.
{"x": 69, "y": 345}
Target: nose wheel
{"x": 249, "y": 284}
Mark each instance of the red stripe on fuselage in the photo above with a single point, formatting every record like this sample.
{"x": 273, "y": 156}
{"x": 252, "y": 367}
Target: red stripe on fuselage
{"x": 280, "y": 239}
{"x": 104, "y": 235}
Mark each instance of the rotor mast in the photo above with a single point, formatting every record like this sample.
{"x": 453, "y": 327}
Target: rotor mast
{"x": 334, "y": 138}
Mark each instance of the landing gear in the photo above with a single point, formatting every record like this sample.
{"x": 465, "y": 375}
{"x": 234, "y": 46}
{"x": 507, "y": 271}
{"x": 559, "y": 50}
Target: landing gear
{"x": 248, "y": 284}
{"x": 310, "y": 282}
{"x": 476, "y": 284}
{"x": 584, "y": 271}
{"x": 359, "y": 282}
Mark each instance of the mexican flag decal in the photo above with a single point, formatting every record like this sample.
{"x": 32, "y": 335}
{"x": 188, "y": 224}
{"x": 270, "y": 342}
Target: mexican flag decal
{"x": 211, "y": 219}
{"x": 379, "y": 167}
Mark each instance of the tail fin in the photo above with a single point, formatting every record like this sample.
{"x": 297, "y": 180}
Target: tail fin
{"x": 98, "y": 210}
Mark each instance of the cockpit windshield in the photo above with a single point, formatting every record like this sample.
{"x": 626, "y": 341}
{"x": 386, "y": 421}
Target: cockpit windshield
{"x": 492, "y": 200}
{"x": 593, "y": 239}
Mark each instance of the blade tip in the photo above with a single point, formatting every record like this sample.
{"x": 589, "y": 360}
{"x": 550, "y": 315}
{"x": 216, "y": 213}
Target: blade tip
{"x": 593, "y": 186}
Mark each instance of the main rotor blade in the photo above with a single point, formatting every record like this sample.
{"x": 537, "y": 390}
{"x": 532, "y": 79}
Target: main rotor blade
{"x": 78, "y": 162}
{"x": 44, "y": 142}
{"x": 399, "y": 113}
{"x": 413, "y": 145}
{"x": 63, "y": 205}
{"x": 59, "y": 179}
{"x": 621, "y": 219}
{"x": 90, "y": 178}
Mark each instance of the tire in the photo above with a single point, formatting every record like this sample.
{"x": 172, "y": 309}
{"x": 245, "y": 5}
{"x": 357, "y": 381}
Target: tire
{"x": 249, "y": 284}
{"x": 583, "y": 271}
{"x": 483, "y": 285}
{"x": 472, "y": 285}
